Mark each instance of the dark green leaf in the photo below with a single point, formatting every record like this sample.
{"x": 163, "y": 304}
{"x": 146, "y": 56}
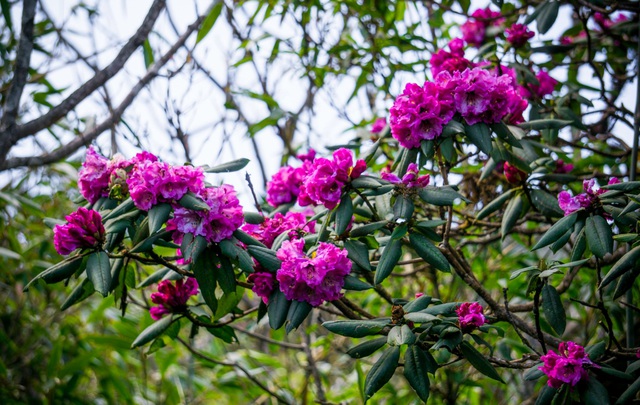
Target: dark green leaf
{"x": 247, "y": 239}
{"x": 298, "y": 312}
{"x": 58, "y": 272}
{"x": 191, "y": 247}
{"x": 367, "y": 348}
{"x": 429, "y": 252}
{"x": 357, "y": 329}
{"x": 533, "y": 373}
{"x": 626, "y": 263}
{"x": 548, "y": 123}
{"x": 366, "y": 182}
{"x": 478, "y": 361}
{"x": 596, "y": 351}
{"x": 416, "y": 365}
{"x": 344, "y": 214}
{"x": 440, "y": 196}
{"x": 205, "y": 269}
{"x": 382, "y": 371}
{"x": 630, "y": 393}
{"x": 418, "y": 304}
{"x": 599, "y": 236}
{"x": 390, "y": 256}
{"x": 556, "y": 231}
{"x": 358, "y": 252}
{"x": 278, "y": 309}
{"x": 403, "y": 208}
{"x": 553, "y": 309}
{"x": 158, "y": 215}
{"x": 99, "y": 272}
{"x": 547, "y": 16}
{"x": 225, "y": 333}
{"x": 193, "y": 202}
{"x": 511, "y": 214}
{"x": 153, "y": 278}
{"x": 453, "y": 127}
{"x": 545, "y": 203}
{"x": 546, "y": 395}
{"x": 595, "y": 394}
{"x": 494, "y": 205}
{"x": 401, "y": 335}
{"x": 480, "y": 135}
{"x": 254, "y": 218}
{"x": 152, "y": 331}
{"x": 235, "y": 252}
{"x": 265, "y": 257}
{"x": 355, "y": 284}
{"x": 122, "y": 208}
{"x": 226, "y": 276}
{"x": 80, "y": 293}
{"x": 367, "y": 229}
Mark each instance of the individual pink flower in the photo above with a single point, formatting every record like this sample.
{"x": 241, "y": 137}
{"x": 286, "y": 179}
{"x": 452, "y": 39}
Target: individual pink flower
{"x": 411, "y": 179}
{"x": 518, "y": 35}
{"x": 219, "y": 222}
{"x": 378, "y": 125}
{"x": 284, "y": 186}
{"x": 454, "y": 61}
{"x": 419, "y": 294}
{"x": 93, "y": 177}
{"x": 587, "y": 200}
{"x": 567, "y": 366}
{"x": 84, "y": 229}
{"x": 470, "y": 316}
{"x": 420, "y": 113}
{"x": 605, "y": 22}
{"x": 562, "y": 167}
{"x": 172, "y": 298}
{"x": 309, "y": 156}
{"x": 312, "y": 279}
{"x": 263, "y": 284}
{"x": 326, "y": 178}
{"x": 474, "y": 29}
{"x": 295, "y": 223}
{"x": 513, "y": 174}
{"x": 546, "y": 86}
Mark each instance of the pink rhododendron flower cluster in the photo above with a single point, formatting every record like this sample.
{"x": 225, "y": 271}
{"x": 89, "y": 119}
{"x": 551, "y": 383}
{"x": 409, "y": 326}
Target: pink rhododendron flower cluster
{"x": 470, "y": 316}
{"x": 454, "y": 61}
{"x": 172, "y": 298}
{"x": 152, "y": 182}
{"x": 312, "y": 279}
{"x": 95, "y": 175}
{"x": 474, "y": 29}
{"x": 263, "y": 284}
{"x": 219, "y": 222}
{"x": 411, "y": 179}
{"x": 546, "y": 86}
{"x": 513, "y": 174}
{"x": 562, "y": 167}
{"x": 518, "y": 35}
{"x": 567, "y": 366}
{"x": 586, "y": 200}
{"x": 83, "y": 229}
{"x": 270, "y": 228}
{"x": 325, "y": 179}
{"x": 284, "y": 186}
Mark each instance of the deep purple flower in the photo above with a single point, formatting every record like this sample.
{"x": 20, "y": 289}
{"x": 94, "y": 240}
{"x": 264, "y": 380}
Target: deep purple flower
{"x": 518, "y": 35}
{"x": 93, "y": 177}
{"x": 567, "y": 366}
{"x": 420, "y": 113}
{"x": 513, "y": 174}
{"x": 470, "y": 316}
{"x": 562, "y": 167}
{"x": 172, "y": 298}
{"x": 263, "y": 284}
{"x": 83, "y": 229}
{"x": 284, "y": 186}
{"x": 219, "y": 222}
{"x": 312, "y": 279}
{"x": 293, "y": 222}
{"x": 326, "y": 178}
{"x": 474, "y": 29}
{"x": 378, "y": 125}
{"x": 454, "y": 61}
{"x": 546, "y": 86}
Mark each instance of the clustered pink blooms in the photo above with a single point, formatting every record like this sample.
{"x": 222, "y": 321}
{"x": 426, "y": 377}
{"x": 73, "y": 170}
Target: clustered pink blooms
{"x": 219, "y": 222}
{"x": 325, "y": 179}
{"x": 470, "y": 316}
{"x": 378, "y": 125}
{"x": 312, "y": 279}
{"x": 513, "y": 174}
{"x": 284, "y": 186}
{"x": 605, "y": 22}
{"x": 474, "y": 29}
{"x": 411, "y": 179}
{"x": 587, "y": 200}
{"x": 172, "y": 298}
{"x": 567, "y": 366}
{"x": 152, "y": 182}
{"x": 518, "y": 35}
{"x": 83, "y": 229}
{"x": 454, "y": 61}
{"x": 293, "y": 222}
{"x": 95, "y": 175}
{"x": 263, "y": 284}
{"x": 546, "y": 86}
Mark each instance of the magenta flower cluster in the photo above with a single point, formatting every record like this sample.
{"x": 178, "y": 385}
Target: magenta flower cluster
{"x": 411, "y": 179}
{"x": 295, "y": 223}
{"x": 518, "y": 35}
{"x": 219, "y": 222}
{"x": 325, "y": 179}
{"x": 470, "y": 316}
{"x": 587, "y": 200}
{"x": 478, "y": 95}
{"x": 546, "y": 85}
{"x": 95, "y": 175}
{"x": 171, "y": 297}
{"x": 513, "y": 174}
{"x": 284, "y": 186}
{"x": 83, "y": 229}
{"x": 378, "y": 125}
{"x": 474, "y": 29}
{"x": 567, "y": 366}
{"x": 454, "y": 61}
{"x": 312, "y": 279}
{"x": 264, "y": 283}
{"x": 152, "y": 182}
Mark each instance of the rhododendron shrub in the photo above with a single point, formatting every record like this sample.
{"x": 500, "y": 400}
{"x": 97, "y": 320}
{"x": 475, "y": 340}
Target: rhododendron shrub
{"x": 446, "y": 243}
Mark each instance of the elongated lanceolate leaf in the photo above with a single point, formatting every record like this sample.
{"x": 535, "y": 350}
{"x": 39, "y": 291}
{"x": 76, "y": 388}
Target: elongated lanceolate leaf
{"x": 553, "y": 309}
{"x": 599, "y": 236}
{"x": 99, "y": 272}
{"x": 416, "y": 367}
{"x": 478, "y": 361}
{"x": 382, "y": 371}
{"x": 390, "y": 256}
{"x": 556, "y": 231}
{"x": 152, "y": 331}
